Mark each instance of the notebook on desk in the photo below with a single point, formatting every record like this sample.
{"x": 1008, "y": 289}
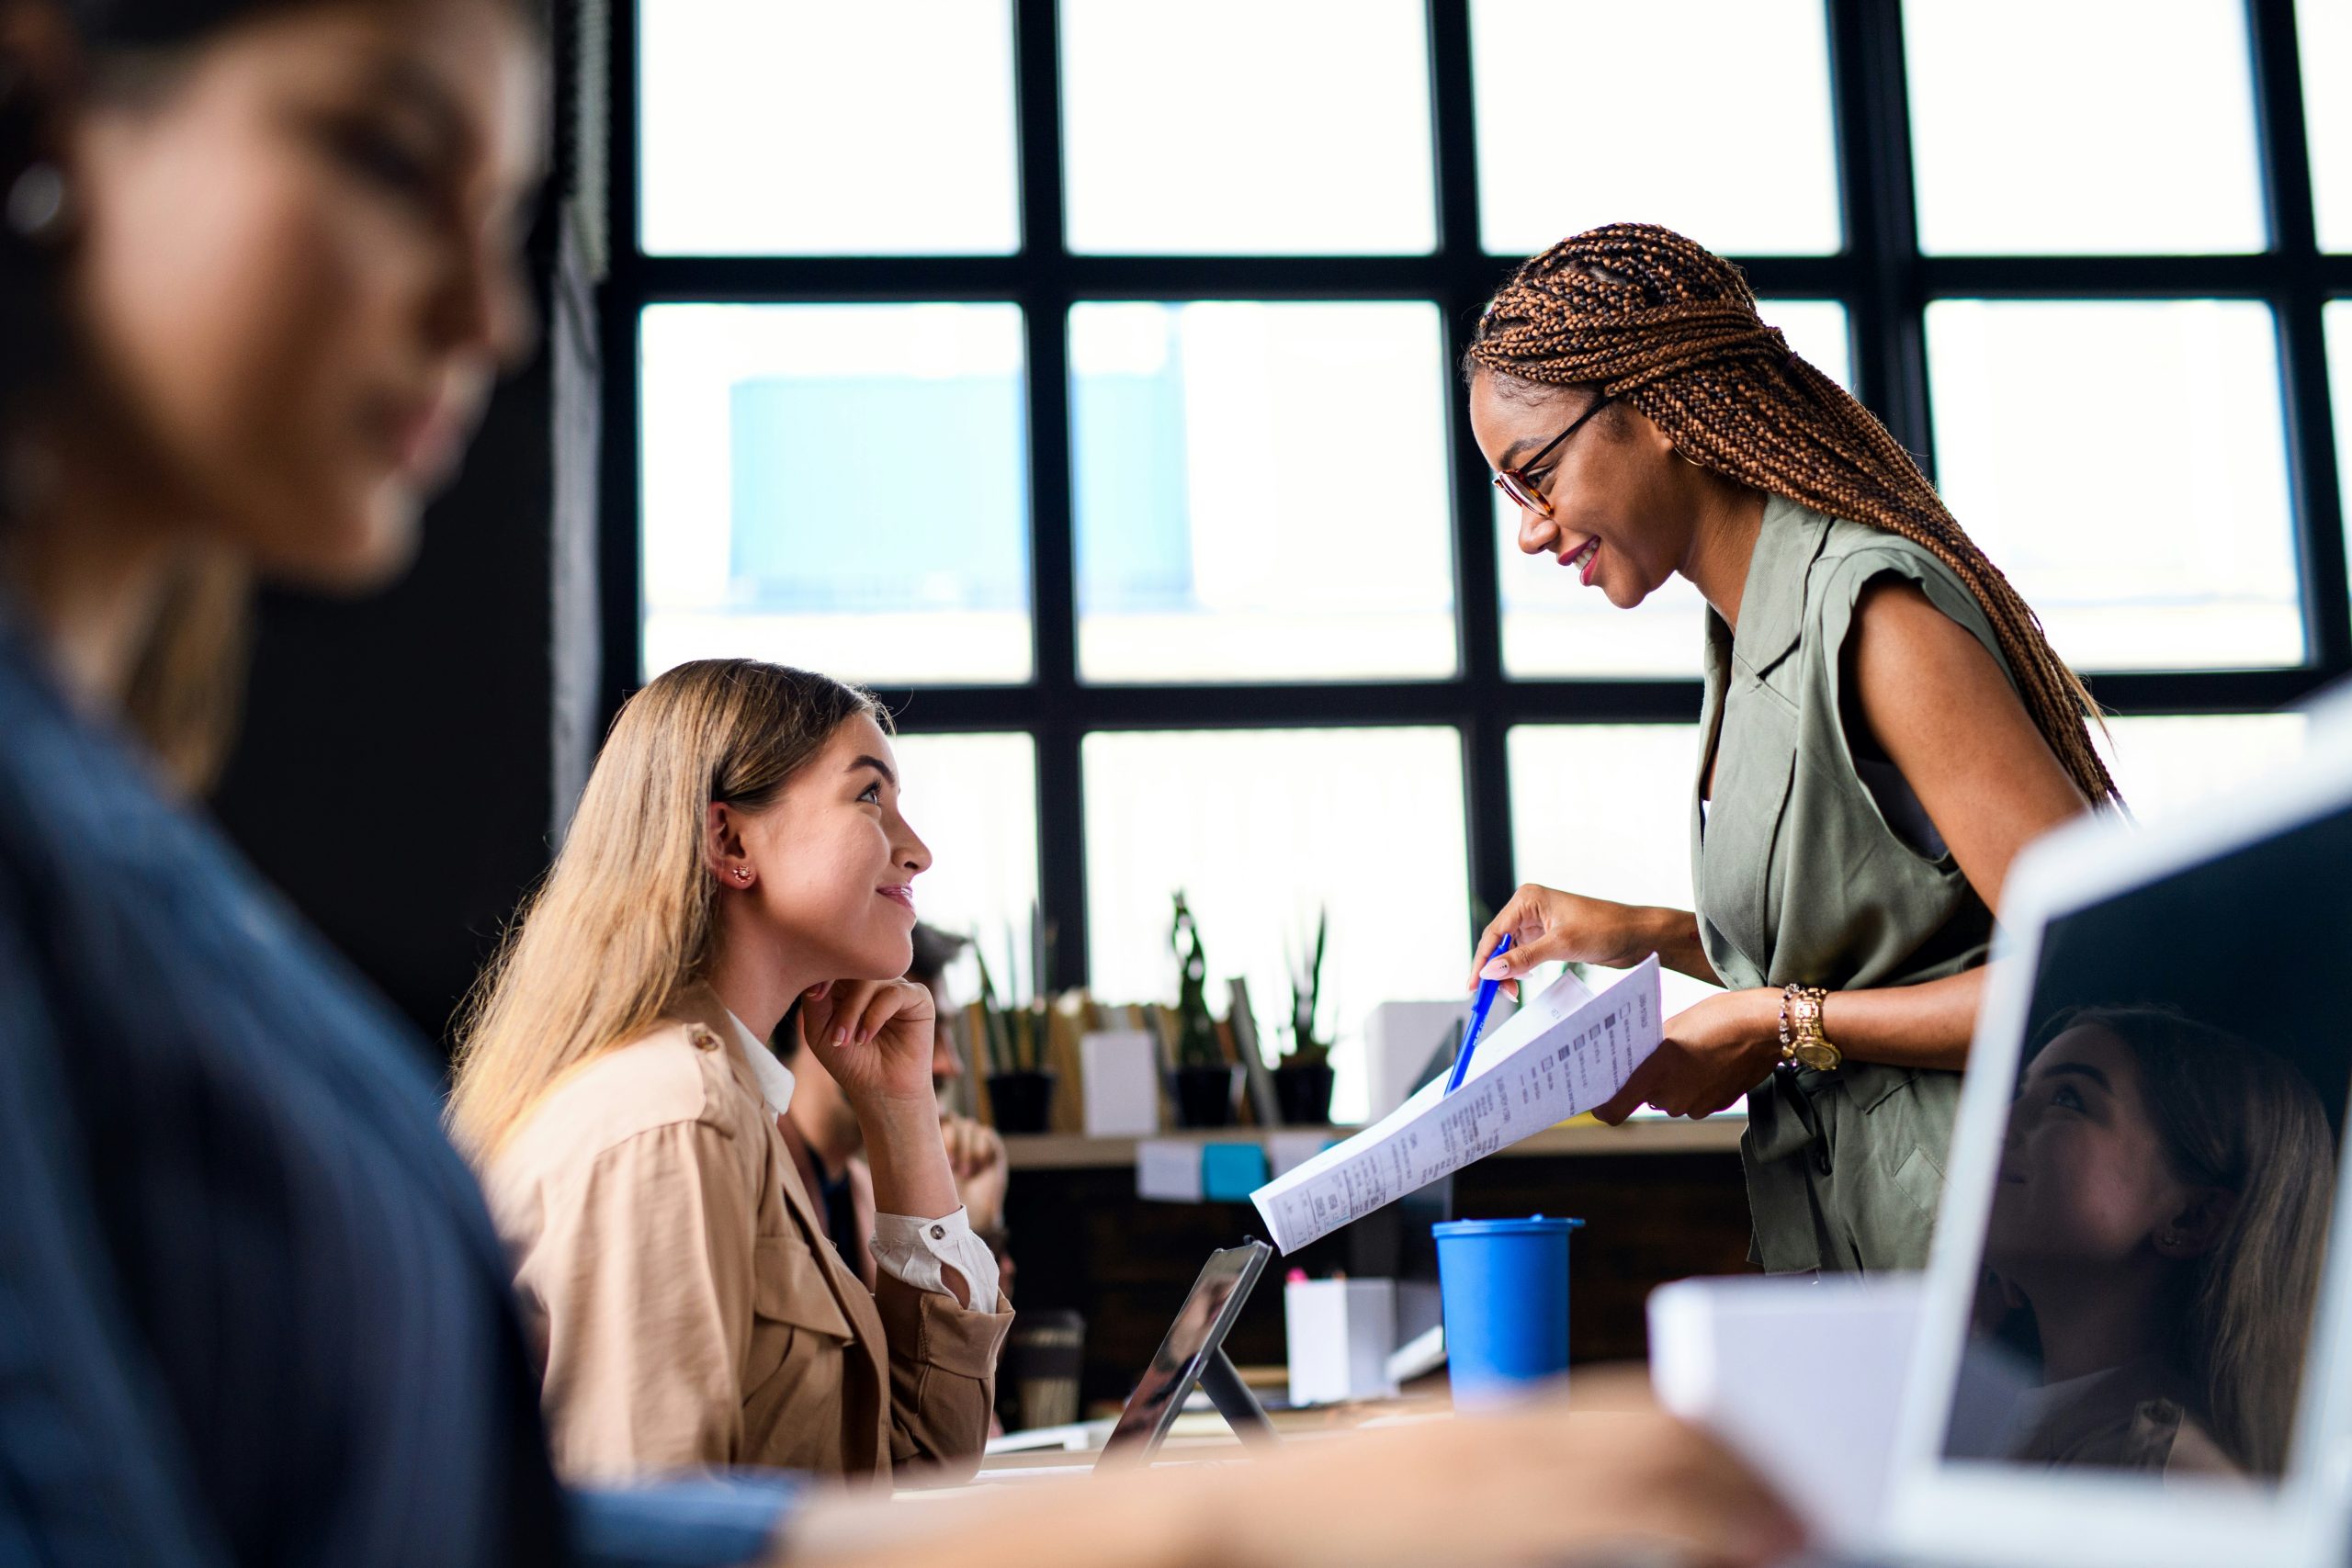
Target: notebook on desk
{"x": 2133, "y": 1349}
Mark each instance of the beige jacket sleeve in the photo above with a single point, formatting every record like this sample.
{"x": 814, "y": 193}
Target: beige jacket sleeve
{"x": 942, "y": 1376}
{"x": 643, "y": 1267}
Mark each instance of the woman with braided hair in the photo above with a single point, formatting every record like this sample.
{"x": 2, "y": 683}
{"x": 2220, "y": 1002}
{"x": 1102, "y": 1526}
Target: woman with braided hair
{"x": 1885, "y": 725}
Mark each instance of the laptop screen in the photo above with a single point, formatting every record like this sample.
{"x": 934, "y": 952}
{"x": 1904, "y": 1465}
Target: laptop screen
{"x": 2154, "y": 1248}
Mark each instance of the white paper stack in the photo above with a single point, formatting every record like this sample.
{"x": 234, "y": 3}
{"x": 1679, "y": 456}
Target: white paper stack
{"x": 1121, "y": 1072}
{"x": 1564, "y": 1054}
{"x": 1339, "y": 1333}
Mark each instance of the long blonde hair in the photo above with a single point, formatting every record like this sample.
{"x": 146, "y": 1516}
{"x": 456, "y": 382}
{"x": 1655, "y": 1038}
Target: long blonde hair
{"x": 624, "y": 919}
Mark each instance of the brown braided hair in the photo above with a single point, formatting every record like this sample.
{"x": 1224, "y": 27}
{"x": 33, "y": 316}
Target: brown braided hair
{"x": 1644, "y": 315}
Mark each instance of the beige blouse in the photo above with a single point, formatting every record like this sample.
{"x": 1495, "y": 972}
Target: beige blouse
{"x": 682, "y": 1298}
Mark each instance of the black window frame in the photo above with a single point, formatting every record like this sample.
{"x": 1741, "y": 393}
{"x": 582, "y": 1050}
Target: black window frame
{"x": 1880, "y": 276}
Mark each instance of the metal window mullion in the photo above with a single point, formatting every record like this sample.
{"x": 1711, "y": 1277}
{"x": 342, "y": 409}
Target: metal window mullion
{"x": 1874, "y": 119}
{"x": 1464, "y": 277}
{"x": 1293, "y": 705}
{"x": 2298, "y": 300}
{"x": 620, "y": 508}
{"x": 1312, "y": 705}
{"x": 1044, "y": 290}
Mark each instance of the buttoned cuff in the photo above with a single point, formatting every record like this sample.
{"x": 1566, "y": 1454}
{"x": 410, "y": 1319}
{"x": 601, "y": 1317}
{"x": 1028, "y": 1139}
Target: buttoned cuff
{"x": 915, "y": 1250}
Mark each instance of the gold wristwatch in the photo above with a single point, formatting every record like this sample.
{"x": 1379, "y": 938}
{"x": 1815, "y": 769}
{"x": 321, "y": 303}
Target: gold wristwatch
{"x": 1802, "y": 1042}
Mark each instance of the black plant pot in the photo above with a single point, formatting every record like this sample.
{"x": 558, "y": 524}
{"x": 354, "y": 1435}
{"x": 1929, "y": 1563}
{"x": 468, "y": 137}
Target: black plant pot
{"x": 1305, "y": 1094}
{"x": 1205, "y": 1096}
{"x": 1022, "y": 1102}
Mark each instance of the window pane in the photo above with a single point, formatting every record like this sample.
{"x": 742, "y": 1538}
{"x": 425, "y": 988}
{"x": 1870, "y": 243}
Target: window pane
{"x": 2323, "y": 37}
{"x": 1635, "y": 779}
{"x": 1817, "y": 330}
{"x": 1555, "y": 626}
{"x": 1572, "y": 134}
{"x": 1211, "y": 544}
{"x": 2077, "y": 126}
{"x": 2165, "y": 765}
{"x": 841, "y": 486}
{"x": 973, "y": 799}
{"x": 1260, "y": 828}
{"x": 764, "y": 131}
{"x": 1231, "y": 127}
{"x": 2125, "y": 464}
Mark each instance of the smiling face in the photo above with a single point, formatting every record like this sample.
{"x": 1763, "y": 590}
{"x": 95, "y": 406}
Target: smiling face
{"x": 1623, "y": 509}
{"x": 2084, "y": 1185}
{"x": 296, "y": 271}
{"x": 835, "y": 862}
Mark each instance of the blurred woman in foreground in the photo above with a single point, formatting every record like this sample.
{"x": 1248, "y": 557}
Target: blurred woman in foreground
{"x": 257, "y": 269}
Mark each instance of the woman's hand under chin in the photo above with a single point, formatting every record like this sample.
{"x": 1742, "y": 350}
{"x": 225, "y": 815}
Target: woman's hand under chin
{"x": 1713, "y": 1052}
{"x": 874, "y": 1038}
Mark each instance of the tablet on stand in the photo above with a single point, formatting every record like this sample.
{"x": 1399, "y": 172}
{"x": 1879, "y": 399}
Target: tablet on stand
{"x": 1193, "y": 1355}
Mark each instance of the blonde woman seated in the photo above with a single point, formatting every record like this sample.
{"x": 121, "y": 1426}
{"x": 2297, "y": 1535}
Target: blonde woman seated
{"x": 739, "y": 852}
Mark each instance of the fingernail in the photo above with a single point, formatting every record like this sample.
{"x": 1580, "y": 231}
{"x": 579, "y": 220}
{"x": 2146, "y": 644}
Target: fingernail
{"x": 1496, "y": 969}
{"x": 859, "y": 1038}
{"x": 841, "y": 1036}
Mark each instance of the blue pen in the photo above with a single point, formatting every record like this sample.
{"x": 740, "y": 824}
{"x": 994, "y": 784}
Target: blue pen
{"x": 1486, "y": 990}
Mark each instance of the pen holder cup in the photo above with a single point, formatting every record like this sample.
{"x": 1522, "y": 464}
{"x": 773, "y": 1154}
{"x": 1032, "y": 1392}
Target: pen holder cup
{"x": 1505, "y": 1288}
{"x": 1044, "y": 1355}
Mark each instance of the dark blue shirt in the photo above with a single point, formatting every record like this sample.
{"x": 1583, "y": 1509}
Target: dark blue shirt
{"x": 252, "y": 1309}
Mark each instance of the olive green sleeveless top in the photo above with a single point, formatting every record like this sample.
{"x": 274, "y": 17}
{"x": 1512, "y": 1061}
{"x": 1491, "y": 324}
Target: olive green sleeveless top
{"x": 1814, "y": 864}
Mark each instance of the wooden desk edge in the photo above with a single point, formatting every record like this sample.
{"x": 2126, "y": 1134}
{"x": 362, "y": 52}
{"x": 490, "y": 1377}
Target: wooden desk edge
{"x": 1717, "y": 1134}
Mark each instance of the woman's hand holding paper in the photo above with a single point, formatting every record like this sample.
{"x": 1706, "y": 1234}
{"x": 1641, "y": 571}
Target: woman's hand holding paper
{"x": 1714, "y": 1051}
{"x": 1547, "y": 926}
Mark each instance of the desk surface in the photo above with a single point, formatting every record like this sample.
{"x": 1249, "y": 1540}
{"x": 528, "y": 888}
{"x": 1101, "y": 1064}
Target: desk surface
{"x": 1202, "y": 1437}
{"x": 1069, "y": 1151}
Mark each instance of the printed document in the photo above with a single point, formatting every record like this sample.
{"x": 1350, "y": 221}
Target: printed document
{"x": 1560, "y": 1055}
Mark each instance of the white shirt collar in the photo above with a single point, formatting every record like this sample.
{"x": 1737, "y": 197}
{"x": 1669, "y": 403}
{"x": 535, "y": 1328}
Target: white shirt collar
{"x": 776, "y": 1078}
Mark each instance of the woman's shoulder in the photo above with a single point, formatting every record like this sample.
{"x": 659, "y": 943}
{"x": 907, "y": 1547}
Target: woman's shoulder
{"x": 1854, "y": 556}
{"x": 1848, "y": 547}
{"x": 676, "y": 1073}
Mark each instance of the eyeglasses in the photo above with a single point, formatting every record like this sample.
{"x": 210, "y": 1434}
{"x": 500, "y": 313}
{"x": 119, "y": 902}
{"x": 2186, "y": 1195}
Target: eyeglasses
{"x": 1514, "y": 482}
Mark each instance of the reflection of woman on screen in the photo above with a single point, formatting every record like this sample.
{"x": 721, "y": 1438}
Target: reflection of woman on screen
{"x": 1164, "y": 1380}
{"x": 2157, "y": 1234}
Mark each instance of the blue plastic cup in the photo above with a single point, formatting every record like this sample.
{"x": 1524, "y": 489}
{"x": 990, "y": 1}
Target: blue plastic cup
{"x": 1505, "y": 1286}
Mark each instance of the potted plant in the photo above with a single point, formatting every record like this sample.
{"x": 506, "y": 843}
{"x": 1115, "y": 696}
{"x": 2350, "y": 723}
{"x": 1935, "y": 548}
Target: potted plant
{"x": 1021, "y": 1090}
{"x": 1303, "y": 1080}
{"x": 1207, "y": 1082}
